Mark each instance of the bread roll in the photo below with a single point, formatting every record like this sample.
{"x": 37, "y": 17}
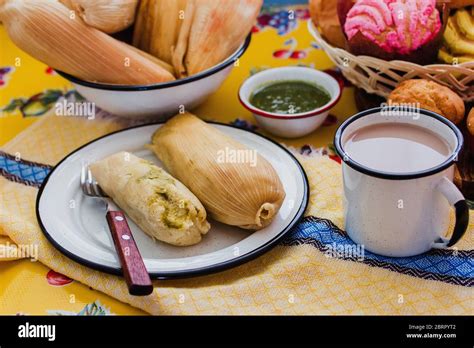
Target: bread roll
{"x": 470, "y": 122}
{"x": 393, "y": 29}
{"x": 431, "y": 96}
{"x": 324, "y": 16}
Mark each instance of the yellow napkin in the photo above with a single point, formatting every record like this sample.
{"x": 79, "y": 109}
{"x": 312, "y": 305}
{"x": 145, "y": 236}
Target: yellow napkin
{"x": 294, "y": 278}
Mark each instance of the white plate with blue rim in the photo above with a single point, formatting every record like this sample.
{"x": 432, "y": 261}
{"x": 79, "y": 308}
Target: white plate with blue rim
{"x": 76, "y": 224}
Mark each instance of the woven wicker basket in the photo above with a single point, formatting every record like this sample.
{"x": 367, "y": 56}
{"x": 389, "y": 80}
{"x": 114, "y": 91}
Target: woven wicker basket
{"x": 380, "y": 77}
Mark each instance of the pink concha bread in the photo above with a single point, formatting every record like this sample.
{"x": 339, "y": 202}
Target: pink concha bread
{"x": 409, "y": 30}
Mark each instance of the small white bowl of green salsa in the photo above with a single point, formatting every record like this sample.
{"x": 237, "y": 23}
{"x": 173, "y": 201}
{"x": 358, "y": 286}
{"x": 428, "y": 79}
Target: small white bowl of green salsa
{"x": 290, "y": 102}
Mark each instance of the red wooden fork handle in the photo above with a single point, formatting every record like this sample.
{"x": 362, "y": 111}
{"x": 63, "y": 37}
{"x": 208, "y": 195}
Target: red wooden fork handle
{"x": 134, "y": 271}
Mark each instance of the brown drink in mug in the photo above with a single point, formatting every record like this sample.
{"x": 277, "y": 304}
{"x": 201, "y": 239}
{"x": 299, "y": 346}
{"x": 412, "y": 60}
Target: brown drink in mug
{"x": 398, "y": 168}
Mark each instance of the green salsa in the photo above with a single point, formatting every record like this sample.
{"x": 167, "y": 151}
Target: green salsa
{"x": 289, "y": 97}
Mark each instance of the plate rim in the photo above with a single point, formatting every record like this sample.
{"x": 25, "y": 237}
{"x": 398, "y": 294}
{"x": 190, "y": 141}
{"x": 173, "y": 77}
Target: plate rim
{"x": 215, "y": 268}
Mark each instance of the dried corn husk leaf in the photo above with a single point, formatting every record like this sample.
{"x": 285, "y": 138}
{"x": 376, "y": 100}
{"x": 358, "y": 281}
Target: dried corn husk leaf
{"x": 47, "y": 31}
{"x": 167, "y": 27}
{"x": 178, "y": 52}
{"x": 156, "y": 60}
{"x": 243, "y": 194}
{"x": 139, "y": 27}
{"x": 109, "y": 16}
{"x": 160, "y": 20}
{"x": 147, "y": 27}
{"x": 218, "y": 28}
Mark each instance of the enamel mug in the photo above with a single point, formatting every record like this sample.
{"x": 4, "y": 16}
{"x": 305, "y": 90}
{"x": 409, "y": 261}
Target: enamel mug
{"x": 402, "y": 214}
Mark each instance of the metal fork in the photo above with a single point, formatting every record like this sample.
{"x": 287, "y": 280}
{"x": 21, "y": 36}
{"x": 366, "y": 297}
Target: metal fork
{"x": 134, "y": 270}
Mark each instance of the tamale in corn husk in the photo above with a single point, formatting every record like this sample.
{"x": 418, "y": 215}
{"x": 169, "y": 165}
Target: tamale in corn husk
{"x": 245, "y": 194}
{"x": 194, "y": 35}
{"x": 218, "y": 28}
{"x": 158, "y": 25}
{"x": 109, "y": 16}
{"x": 48, "y": 31}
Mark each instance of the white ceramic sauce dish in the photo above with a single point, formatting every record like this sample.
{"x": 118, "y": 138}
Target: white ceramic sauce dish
{"x": 157, "y": 101}
{"x": 298, "y": 124}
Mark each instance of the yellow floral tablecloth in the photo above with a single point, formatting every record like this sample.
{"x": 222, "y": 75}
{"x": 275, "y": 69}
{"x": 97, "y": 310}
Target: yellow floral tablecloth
{"x": 29, "y": 89}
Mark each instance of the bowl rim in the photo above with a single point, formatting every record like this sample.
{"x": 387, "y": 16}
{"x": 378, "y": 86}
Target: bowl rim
{"x": 203, "y": 74}
{"x": 315, "y": 112}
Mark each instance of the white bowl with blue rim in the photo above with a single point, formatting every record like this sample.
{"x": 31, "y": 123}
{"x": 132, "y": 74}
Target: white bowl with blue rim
{"x": 157, "y": 101}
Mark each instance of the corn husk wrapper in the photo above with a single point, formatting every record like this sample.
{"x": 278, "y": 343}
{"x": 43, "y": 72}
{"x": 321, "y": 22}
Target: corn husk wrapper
{"x": 140, "y": 31}
{"x": 179, "y": 51}
{"x": 168, "y": 67}
{"x": 158, "y": 26}
{"x": 109, "y": 16}
{"x": 46, "y": 30}
{"x": 238, "y": 194}
{"x": 162, "y": 206}
{"x": 218, "y": 29}
{"x": 194, "y": 35}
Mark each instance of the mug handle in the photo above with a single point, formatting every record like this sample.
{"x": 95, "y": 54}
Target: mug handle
{"x": 456, "y": 199}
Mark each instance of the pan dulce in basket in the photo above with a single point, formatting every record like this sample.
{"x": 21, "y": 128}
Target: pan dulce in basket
{"x": 379, "y": 43}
